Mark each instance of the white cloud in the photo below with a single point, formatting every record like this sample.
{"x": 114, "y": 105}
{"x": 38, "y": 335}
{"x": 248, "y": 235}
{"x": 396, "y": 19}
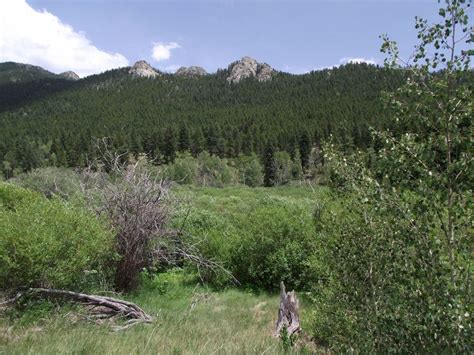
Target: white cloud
{"x": 162, "y": 51}
{"x": 41, "y": 38}
{"x": 357, "y": 60}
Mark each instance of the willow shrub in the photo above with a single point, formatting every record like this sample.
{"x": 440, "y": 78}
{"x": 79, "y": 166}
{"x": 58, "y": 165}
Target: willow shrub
{"x": 50, "y": 243}
{"x": 278, "y": 245}
{"x": 269, "y": 242}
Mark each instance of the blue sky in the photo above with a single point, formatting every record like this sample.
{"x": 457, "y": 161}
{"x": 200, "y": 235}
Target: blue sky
{"x": 295, "y": 36}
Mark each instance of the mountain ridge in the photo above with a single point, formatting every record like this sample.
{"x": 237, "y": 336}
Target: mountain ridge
{"x": 246, "y": 67}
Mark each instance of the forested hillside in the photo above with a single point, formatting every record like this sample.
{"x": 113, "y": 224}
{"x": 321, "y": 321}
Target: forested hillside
{"x": 54, "y": 121}
{"x": 11, "y": 72}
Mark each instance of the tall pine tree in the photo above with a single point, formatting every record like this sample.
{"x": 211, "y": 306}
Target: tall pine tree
{"x": 305, "y": 149}
{"x": 269, "y": 166}
{"x": 184, "y": 143}
{"x": 169, "y": 146}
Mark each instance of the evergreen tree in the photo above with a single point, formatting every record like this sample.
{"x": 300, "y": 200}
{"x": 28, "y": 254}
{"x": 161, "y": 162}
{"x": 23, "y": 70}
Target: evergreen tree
{"x": 221, "y": 147}
{"x": 135, "y": 144}
{"x": 269, "y": 166}
{"x": 184, "y": 142}
{"x": 305, "y": 149}
{"x": 198, "y": 142}
{"x": 169, "y": 146}
{"x": 212, "y": 140}
{"x": 296, "y": 168}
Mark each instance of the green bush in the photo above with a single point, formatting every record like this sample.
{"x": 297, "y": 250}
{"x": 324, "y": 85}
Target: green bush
{"x": 49, "y": 243}
{"x": 260, "y": 239}
{"x": 166, "y": 282}
{"x": 205, "y": 170}
{"x": 250, "y": 170}
{"x": 11, "y": 197}
{"x": 183, "y": 170}
{"x": 214, "y": 171}
{"x": 277, "y": 244}
{"x": 385, "y": 284}
{"x": 50, "y": 181}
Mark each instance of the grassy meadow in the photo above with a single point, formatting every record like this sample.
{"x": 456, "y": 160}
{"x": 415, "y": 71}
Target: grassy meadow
{"x": 187, "y": 319}
{"x": 189, "y": 316}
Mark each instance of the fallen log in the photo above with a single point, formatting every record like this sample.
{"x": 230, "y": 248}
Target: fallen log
{"x": 107, "y": 307}
{"x": 288, "y": 313}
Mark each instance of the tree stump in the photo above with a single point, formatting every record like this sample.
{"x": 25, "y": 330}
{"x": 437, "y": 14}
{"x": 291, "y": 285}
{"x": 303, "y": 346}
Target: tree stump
{"x": 288, "y": 315}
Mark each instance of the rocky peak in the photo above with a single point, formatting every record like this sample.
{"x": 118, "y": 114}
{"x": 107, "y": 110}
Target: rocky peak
{"x": 248, "y": 67}
{"x": 70, "y": 75}
{"x": 191, "y": 72}
{"x": 143, "y": 69}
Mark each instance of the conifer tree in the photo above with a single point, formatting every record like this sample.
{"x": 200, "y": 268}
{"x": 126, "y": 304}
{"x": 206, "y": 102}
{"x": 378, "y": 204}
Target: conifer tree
{"x": 169, "y": 146}
{"x": 198, "y": 142}
{"x": 305, "y": 149}
{"x": 269, "y": 166}
{"x": 184, "y": 143}
{"x": 297, "y": 169}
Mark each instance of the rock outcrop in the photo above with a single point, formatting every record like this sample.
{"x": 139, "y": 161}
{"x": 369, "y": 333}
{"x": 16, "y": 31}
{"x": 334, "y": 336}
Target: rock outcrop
{"x": 142, "y": 69}
{"x": 248, "y": 67}
{"x": 264, "y": 72}
{"x": 70, "y": 75}
{"x": 191, "y": 72}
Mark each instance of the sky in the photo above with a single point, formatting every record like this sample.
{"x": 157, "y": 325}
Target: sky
{"x": 297, "y": 36}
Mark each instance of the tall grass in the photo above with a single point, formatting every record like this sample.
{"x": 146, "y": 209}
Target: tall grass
{"x": 188, "y": 319}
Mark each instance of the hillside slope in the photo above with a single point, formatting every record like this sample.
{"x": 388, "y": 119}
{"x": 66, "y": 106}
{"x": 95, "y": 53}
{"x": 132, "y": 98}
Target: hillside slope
{"x": 207, "y": 112}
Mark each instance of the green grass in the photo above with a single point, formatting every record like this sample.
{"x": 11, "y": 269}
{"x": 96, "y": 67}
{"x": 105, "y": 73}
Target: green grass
{"x": 240, "y": 200}
{"x": 187, "y": 319}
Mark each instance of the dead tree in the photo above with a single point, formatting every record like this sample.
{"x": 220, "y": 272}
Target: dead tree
{"x": 100, "y": 306}
{"x": 137, "y": 203}
{"x": 288, "y": 315}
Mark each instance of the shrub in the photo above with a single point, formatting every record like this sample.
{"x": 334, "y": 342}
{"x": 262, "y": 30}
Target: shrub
{"x": 214, "y": 171}
{"x": 183, "y": 170}
{"x": 50, "y": 181}
{"x": 205, "y": 170}
{"x": 49, "y": 243}
{"x": 250, "y": 170}
{"x": 137, "y": 205}
{"x": 261, "y": 240}
{"x": 277, "y": 244}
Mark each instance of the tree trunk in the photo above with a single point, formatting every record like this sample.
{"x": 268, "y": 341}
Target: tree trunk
{"x": 100, "y": 305}
{"x": 288, "y": 315}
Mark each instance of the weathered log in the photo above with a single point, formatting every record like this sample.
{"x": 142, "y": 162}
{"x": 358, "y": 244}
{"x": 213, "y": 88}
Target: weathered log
{"x": 106, "y": 306}
{"x": 288, "y": 315}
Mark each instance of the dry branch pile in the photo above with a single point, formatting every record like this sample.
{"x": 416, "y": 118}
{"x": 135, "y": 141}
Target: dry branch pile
{"x": 101, "y": 307}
